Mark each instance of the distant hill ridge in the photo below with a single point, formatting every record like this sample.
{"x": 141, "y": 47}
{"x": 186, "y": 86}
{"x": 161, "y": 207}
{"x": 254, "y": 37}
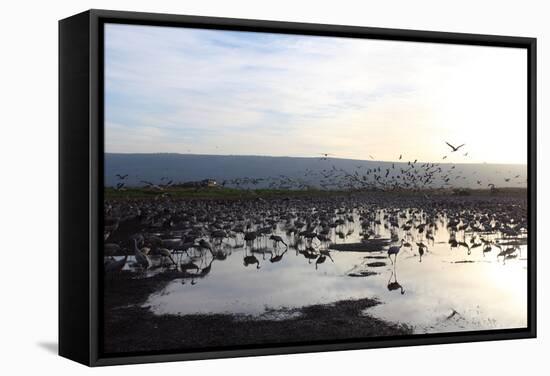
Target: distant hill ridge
{"x": 153, "y": 167}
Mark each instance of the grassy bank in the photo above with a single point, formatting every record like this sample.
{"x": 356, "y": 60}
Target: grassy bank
{"x": 232, "y": 193}
{"x": 132, "y": 193}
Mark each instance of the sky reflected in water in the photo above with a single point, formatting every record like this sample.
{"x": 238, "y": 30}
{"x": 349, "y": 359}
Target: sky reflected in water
{"x": 448, "y": 290}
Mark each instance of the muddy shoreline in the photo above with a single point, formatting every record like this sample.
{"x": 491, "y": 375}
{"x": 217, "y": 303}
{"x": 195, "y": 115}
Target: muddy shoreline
{"x": 131, "y": 327}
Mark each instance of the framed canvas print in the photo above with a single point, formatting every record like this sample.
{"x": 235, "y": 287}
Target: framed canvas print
{"x": 235, "y": 187}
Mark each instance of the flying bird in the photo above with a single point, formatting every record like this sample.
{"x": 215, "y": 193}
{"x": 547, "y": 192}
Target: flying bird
{"x": 455, "y": 148}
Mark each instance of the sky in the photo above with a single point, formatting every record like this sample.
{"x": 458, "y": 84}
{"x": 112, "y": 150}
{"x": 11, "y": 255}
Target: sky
{"x": 183, "y": 90}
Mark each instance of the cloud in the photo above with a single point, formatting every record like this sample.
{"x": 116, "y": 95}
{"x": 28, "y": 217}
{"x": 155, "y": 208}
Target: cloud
{"x": 222, "y": 92}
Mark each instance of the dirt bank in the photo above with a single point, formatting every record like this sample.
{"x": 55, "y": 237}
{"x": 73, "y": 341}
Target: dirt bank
{"x": 130, "y": 327}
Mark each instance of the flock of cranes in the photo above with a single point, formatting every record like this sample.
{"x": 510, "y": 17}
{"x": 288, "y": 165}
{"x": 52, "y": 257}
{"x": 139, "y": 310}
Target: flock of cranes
{"x": 188, "y": 237}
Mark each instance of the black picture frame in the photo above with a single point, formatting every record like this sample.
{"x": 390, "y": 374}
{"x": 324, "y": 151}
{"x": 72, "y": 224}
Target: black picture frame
{"x": 81, "y": 181}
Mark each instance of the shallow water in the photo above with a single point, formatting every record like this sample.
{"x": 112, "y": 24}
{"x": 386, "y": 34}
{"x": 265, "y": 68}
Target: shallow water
{"x": 448, "y": 290}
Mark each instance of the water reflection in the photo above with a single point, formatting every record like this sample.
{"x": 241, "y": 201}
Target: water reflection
{"x": 462, "y": 265}
{"x": 394, "y": 285}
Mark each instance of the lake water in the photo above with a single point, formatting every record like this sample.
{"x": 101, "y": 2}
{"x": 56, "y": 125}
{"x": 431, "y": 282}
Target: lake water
{"x": 448, "y": 290}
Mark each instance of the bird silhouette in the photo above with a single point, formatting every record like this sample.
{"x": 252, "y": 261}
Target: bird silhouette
{"x": 455, "y": 148}
{"x": 141, "y": 258}
{"x": 394, "y": 250}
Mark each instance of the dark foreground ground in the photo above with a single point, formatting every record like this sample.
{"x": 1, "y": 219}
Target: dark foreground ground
{"x": 132, "y": 328}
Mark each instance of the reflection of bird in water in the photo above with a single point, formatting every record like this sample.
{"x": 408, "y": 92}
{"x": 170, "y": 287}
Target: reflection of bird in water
{"x": 512, "y": 256}
{"x": 193, "y": 282}
{"x": 262, "y": 251}
{"x": 115, "y": 266}
{"x": 392, "y": 286}
{"x": 204, "y": 271}
{"x": 277, "y": 258}
{"x": 453, "y": 243}
{"x": 488, "y": 246}
{"x": 421, "y": 248}
{"x": 507, "y": 253}
{"x": 220, "y": 255}
{"x": 276, "y": 240}
{"x": 185, "y": 267}
{"x": 309, "y": 253}
{"x": 475, "y": 245}
{"x": 486, "y": 249}
{"x": 326, "y": 252}
{"x": 165, "y": 253}
{"x": 190, "y": 265}
{"x": 465, "y": 245}
{"x": 321, "y": 259}
{"x": 250, "y": 260}
{"x": 394, "y": 250}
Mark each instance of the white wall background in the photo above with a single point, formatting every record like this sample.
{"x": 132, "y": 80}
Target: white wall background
{"x": 28, "y": 210}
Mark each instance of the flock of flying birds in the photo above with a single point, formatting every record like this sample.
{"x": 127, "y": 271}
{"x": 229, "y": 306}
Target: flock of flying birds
{"x": 392, "y": 176}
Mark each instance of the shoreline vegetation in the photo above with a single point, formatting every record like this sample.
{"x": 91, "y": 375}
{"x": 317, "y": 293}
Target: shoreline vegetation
{"x": 320, "y": 322}
{"x": 234, "y": 193}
